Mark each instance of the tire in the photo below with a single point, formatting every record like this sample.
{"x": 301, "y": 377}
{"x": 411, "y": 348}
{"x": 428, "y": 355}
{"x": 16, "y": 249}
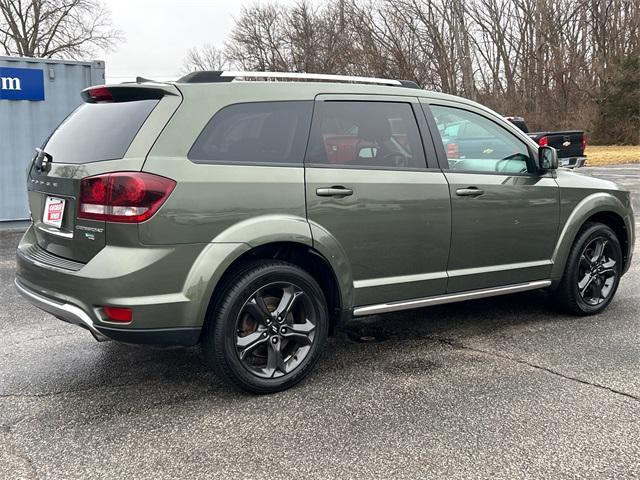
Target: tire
{"x": 268, "y": 327}
{"x": 581, "y": 281}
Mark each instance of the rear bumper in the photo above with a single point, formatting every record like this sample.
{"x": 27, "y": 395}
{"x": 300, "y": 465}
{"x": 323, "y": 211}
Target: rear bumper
{"x": 61, "y": 310}
{"x": 75, "y": 315}
{"x": 572, "y": 162}
{"x": 154, "y": 282}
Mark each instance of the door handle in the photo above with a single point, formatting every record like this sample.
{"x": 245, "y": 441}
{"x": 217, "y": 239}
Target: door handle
{"x": 469, "y": 192}
{"x": 337, "y": 191}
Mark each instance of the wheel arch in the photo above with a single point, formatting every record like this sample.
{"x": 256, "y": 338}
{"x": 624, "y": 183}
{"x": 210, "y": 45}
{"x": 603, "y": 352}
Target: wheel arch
{"x": 616, "y": 223}
{"x": 598, "y": 207}
{"x": 286, "y": 237}
{"x": 302, "y": 255}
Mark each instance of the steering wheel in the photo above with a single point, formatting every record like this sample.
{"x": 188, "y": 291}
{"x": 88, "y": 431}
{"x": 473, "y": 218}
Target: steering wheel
{"x": 508, "y": 159}
{"x": 397, "y": 158}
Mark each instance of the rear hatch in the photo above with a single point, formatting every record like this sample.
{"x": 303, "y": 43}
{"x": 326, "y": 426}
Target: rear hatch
{"x": 112, "y": 131}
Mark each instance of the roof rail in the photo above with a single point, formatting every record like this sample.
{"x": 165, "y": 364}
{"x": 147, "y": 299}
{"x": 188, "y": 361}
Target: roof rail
{"x": 229, "y": 76}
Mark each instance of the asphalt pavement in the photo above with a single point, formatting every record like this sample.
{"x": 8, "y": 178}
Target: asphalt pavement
{"x": 495, "y": 388}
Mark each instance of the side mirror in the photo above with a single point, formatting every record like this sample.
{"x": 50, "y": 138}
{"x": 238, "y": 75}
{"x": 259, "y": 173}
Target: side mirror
{"x": 547, "y": 158}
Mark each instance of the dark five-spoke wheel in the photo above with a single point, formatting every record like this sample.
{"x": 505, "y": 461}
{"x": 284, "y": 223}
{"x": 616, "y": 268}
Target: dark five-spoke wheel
{"x": 597, "y": 272}
{"x": 592, "y": 271}
{"x": 267, "y": 327}
{"x": 275, "y": 330}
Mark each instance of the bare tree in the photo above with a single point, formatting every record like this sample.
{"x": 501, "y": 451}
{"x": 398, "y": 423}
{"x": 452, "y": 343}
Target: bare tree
{"x": 209, "y": 57}
{"x": 553, "y": 61}
{"x": 301, "y": 38}
{"x": 258, "y": 41}
{"x": 318, "y": 39}
{"x": 55, "y": 28}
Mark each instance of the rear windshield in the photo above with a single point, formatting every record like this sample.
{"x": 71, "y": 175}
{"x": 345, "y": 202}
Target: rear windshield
{"x": 98, "y": 131}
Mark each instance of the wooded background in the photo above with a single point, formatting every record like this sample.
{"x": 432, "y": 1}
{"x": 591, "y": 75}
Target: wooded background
{"x": 559, "y": 63}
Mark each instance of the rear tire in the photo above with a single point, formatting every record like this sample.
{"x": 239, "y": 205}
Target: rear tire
{"x": 592, "y": 272}
{"x": 268, "y": 327}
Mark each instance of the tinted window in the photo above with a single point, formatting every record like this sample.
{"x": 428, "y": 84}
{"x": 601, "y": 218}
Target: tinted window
{"x": 473, "y": 142}
{"x": 369, "y": 134}
{"x": 263, "y": 132}
{"x": 98, "y": 131}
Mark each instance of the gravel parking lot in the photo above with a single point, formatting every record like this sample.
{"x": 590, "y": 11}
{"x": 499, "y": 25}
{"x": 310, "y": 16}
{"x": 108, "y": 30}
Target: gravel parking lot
{"x": 496, "y": 388}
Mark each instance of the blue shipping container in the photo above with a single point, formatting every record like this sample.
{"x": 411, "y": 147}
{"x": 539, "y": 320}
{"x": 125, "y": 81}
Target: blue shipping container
{"x": 35, "y": 96}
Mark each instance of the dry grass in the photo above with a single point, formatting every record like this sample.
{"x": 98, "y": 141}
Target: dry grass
{"x": 612, "y": 154}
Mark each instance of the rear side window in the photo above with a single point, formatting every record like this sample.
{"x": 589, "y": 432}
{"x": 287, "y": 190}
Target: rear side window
{"x": 96, "y": 132}
{"x": 259, "y": 132}
{"x": 365, "y": 134}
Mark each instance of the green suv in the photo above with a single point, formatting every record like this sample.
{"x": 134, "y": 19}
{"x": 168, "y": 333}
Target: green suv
{"x": 251, "y": 212}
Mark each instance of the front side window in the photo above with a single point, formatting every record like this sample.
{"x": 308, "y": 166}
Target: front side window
{"x": 365, "y": 134}
{"x": 475, "y": 143}
{"x": 259, "y": 132}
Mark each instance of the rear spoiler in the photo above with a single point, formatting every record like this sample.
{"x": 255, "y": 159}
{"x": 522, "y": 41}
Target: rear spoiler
{"x": 127, "y": 92}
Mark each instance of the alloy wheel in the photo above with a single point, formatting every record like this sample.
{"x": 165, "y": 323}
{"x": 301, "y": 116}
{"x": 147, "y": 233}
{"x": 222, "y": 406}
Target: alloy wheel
{"x": 597, "y": 271}
{"x": 275, "y": 330}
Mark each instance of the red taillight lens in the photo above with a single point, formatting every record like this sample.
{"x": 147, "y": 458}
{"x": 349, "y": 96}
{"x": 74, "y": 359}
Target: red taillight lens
{"x": 452, "y": 150}
{"x": 94, "y": 190}
{"x": 116, "y": 314}
{"x": 100, "y": 94}
{"x": 543, "y": 142}
{"x": 584, "y": 142}
{"x": 127, "y": 197}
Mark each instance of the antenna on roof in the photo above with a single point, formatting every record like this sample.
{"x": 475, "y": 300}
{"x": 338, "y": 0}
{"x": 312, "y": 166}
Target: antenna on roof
{"x": 212, "y": 76}
{"x": 145, "y": 80}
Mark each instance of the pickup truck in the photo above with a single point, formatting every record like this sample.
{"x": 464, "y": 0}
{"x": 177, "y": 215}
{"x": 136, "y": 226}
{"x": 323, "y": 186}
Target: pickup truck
{"x": 569, "y": 144}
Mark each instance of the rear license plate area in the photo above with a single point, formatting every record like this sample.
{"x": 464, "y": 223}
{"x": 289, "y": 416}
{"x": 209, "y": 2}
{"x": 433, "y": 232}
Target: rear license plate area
{"x": 53, "y": 211}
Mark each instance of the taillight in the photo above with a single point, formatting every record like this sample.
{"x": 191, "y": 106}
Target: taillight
{"x": 127, "y": 197}
{"x": 452, "y": 150}
{"x": 584, "y": 141}
{"x": 543, "y": 142}
{"x": 100, "y": 95}
{"x": 117, "y": 314}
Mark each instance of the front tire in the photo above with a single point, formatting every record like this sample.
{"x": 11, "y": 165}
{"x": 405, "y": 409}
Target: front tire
{"x": 592, "y": 273}
{"x": 268, "y": 327}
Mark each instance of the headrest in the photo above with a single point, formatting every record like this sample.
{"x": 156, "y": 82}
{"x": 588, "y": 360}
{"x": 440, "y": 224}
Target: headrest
{"x": 374, "y": 129}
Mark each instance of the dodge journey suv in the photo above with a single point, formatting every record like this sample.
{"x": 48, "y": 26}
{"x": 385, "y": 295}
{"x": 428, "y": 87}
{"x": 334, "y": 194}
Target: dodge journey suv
{"x": 251, "y": 212}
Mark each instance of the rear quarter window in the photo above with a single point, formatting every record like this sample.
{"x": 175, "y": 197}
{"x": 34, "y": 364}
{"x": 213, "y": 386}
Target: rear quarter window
{"x": 96, "y": 132}
{"x": 258, "y": 132}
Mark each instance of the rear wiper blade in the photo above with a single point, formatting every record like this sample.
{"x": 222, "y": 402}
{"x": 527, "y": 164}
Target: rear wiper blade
{"x": 42, "y": 160}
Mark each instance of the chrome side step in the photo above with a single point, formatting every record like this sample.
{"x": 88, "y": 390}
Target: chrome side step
{"x": 448, "y": 298}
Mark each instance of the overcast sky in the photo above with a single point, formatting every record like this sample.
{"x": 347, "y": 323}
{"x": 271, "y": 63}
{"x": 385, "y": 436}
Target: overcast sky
{"x": 159, "y": 33}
